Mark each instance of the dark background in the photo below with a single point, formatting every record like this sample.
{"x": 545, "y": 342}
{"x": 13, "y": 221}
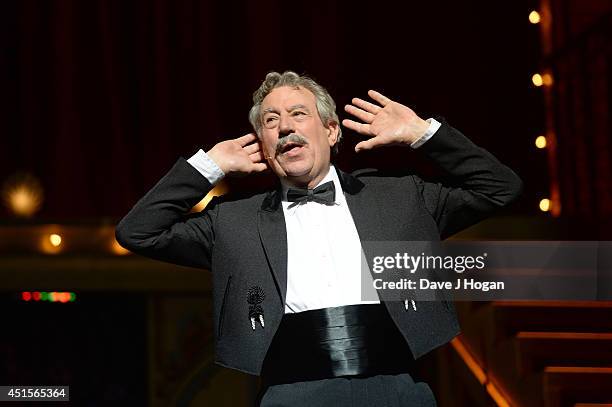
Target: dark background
{"x": 99, "y": 98}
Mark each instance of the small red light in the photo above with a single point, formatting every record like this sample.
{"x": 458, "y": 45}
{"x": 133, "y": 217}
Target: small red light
{"x": 65, "y": 297}
{"x": 36, "y": 296}
{"x": 26, "y": 296}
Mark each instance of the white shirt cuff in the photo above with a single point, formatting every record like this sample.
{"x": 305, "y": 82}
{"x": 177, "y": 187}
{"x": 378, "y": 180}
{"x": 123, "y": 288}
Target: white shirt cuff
{"x": 206, "y": 166}
{"x": 434, "y": 125}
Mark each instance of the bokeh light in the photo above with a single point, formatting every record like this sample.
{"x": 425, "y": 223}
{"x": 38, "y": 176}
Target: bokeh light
{"x": 540, "y": 142}
{"x": 534, "y": 17}
{"x": 22, "y": 194}
{"x": 545, "y": 205}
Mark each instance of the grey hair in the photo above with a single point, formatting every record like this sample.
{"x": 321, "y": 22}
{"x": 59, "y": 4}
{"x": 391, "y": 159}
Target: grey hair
{"x": 326, "y": 106}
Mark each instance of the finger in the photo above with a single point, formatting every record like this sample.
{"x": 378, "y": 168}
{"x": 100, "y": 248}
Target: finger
{"x": 360, "y": 128}
{"x": 251, "y": 148}
{"x": 379, "y": 97}
{"x": 256, "y": 157}
{"x": 259, "y": 167}
{"x": 246, "y": 139}
{"x": 365, "y": 105}
{"x": 368, "y": 144}
{"x": 359, "y": 113}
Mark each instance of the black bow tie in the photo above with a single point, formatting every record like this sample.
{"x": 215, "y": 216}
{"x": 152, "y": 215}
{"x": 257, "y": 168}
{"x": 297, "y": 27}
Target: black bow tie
{"x": 324, "y": 194}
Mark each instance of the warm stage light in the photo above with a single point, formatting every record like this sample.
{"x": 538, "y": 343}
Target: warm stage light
{"x": 544, "y": 79}
{"x": 26, "y": 296}
{"x": 51, "y": 243}
{"x": 537, "y": 79}
{"x": 545, "y": 205}
{"x": 55, "y": 240}
{"x": 218, "y": 190}
{"x": 22, "y": 194}
{"x": 534, "y": 17}
{"x": 117, "y": 249}
{"x": 547, "y": 79}
{"x": 540, "y": 142}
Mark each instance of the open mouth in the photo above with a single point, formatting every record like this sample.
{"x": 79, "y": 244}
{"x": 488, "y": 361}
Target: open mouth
{"x": 291, "y": 148}
{"x": 291, "y": 145}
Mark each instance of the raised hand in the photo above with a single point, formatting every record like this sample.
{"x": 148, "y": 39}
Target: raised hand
{"x": 391, "y": 123}
{"x": 242, "y": 155}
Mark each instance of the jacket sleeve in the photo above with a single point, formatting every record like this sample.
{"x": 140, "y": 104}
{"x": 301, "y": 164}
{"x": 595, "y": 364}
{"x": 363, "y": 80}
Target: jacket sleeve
{"x": 159, "y": 225}
{"x": 478, "y": 183}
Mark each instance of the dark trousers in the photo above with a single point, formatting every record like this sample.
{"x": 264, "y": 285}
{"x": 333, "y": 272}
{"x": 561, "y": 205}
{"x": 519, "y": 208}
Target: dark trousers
{"x": 377, "y": 391}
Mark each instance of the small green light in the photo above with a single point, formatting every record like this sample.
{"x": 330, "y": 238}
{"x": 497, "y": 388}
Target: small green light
{"x": 44, "y": 296}
{"x": 72, "y": 297}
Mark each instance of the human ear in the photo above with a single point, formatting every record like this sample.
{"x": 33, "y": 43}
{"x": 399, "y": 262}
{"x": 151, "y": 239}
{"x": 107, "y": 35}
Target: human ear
{"x": 332, "y": 133}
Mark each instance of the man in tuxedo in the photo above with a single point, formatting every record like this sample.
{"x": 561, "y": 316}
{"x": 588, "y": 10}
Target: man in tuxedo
{"x": 286, "y": 263}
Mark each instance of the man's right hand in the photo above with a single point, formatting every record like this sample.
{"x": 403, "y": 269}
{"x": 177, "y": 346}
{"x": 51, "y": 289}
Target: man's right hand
{"x": 242, "y": 155}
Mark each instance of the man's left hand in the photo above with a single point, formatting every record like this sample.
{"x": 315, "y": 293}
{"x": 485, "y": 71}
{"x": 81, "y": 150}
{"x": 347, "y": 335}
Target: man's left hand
{"x": 391, "y": 123}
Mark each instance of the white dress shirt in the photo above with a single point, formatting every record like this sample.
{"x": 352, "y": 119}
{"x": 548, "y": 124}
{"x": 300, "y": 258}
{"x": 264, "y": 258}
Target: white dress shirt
{"x": 324, "y": 254}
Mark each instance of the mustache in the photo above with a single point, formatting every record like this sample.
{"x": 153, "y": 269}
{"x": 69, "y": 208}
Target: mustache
{"x": 292, "y": 138}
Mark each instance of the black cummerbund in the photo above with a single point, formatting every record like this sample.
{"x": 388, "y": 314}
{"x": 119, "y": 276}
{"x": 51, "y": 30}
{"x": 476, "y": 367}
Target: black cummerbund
{"x": 353, "y": 340}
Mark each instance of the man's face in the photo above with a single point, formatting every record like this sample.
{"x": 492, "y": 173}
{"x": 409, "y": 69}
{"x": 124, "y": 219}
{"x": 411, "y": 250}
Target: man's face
{"x": 294, "y": 140}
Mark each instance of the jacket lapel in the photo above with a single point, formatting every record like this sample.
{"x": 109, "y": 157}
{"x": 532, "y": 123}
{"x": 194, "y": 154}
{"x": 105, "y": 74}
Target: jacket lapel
{"x": 273, "y": 236}
{"x": 362, "y": 207}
